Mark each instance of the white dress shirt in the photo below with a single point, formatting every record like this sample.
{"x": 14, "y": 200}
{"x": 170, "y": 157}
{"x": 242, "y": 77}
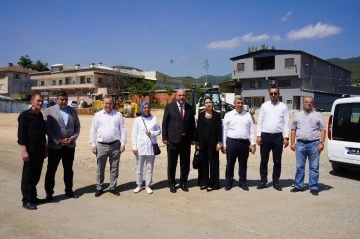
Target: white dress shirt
{"x": 107, "y": 128}
{"x": 140, "y": 141}
{"x": 273, "y": 118}
{"x": 238, "y": 126}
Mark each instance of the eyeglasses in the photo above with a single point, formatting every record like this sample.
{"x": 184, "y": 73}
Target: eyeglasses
{"x": 273, "y": 93}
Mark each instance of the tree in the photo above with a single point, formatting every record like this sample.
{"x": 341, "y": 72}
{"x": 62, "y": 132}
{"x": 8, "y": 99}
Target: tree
{"x": 40, "y": 66}
{"x": 262, "y": 47}
{"x": 143, "y": 88}
{"x": 25, "y": 62}
{"x": 169, "y": 91}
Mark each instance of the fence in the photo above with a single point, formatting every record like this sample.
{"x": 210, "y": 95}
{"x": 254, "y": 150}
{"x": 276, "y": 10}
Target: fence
{"x": 9, "y": 106}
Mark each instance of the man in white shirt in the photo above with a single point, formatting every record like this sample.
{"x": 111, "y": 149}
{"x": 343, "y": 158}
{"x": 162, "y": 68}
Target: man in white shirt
{"x": 239, "y": 139}
{"x": 272, "y": 135}
{"x": 109, "y": 132}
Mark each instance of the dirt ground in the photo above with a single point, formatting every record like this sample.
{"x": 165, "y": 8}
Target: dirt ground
{"x": 236, "y": 213}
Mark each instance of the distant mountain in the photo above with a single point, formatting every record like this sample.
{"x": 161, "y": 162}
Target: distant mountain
{"x": 214, "y": 80}
{"x": 351, "y": 64}
{"x": 188, "y": 81}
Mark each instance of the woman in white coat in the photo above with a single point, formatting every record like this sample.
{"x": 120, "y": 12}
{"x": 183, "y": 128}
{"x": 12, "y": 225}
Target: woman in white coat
{"x": 145, "y": 129}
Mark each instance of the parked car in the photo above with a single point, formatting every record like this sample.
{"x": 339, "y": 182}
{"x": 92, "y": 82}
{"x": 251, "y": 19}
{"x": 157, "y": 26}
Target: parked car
{"x": 344, "y": 134}
{"x": 73, "y": 104}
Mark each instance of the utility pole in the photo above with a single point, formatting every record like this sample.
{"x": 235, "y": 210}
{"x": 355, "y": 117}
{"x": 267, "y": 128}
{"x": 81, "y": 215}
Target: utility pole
{"x": 206, "y": 67}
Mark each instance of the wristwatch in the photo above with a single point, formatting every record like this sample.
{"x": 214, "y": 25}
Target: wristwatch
{"x": 287, "y": 138}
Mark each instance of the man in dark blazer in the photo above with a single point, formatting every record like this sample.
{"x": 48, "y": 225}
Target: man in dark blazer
{"x": 63, "y": 128}
{"x": 178, "y": 133}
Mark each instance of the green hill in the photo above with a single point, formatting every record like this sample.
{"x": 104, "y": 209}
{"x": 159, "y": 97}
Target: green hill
{"x": 214, "y": 80}
{"x": 188, "y": 81}
{"x": 351, "y": 64}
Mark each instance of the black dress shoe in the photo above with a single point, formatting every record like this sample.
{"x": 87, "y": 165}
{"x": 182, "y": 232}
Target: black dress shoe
{"x": 243, "y": 186}
{"x": 314, "y": 192}
{"x": 29, "y": 206}
{"x": 98, "y": 193}
{"x": 115, "y": 192}
{"x": 71, "y": 195}
{"x": 203, "y": 187}
{"x": 228, "y": 187}
{"x": 49, "y": 198}
{"x": 209, "y": 189}
{"x": 184, "y": 187}
{"x": 261, "y": 185}
{"x": 172, "y": 189}
{"x": 295, "y": 190}
{"x": 277, "y": 187}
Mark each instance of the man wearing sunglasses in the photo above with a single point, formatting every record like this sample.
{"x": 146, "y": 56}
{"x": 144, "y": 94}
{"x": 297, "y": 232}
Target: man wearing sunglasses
{"x": 272, "y": 135}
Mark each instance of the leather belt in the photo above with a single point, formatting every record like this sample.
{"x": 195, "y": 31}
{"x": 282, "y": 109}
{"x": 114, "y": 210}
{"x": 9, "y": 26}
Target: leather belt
{"x": 110, "y": 143}
{"x": 272, "y": 134}
{"x": 307, "y": 141}
{"x": 239, "y": 140}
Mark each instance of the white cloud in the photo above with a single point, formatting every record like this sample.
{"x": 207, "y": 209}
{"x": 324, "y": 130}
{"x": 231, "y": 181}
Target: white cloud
{"x": 236, "y": 41}
{"x": 276, "y": 38}
{"x": 287, "y": 15}
{"x": 314, "y": 31}
{"x": 227, "y": 44}
{"x": 251, "y": 38}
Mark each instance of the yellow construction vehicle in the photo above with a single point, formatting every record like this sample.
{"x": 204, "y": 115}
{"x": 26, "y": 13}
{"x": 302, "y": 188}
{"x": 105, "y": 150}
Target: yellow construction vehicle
{"x": 121, "y": 103}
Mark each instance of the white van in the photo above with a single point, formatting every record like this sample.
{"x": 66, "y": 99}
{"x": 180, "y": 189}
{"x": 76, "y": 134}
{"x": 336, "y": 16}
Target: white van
{"x": 344, "y": 134}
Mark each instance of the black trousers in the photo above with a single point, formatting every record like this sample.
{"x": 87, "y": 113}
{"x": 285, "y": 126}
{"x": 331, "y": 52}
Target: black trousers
{"x": 236, "y": 150}
{"x": 209, "y": 164}
{"x": 31, "y": 174}
{"x": 67, "y": 157}
{"x": 174, "y": 150}
{"x": 274, "y": 143}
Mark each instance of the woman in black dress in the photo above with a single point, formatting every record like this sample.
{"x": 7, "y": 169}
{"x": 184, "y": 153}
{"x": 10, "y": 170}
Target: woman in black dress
{"x": 209, "y": 138}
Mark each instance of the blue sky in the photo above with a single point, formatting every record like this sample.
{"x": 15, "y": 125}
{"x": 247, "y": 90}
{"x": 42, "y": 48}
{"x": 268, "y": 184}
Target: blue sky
{"x": 174, "y": 37}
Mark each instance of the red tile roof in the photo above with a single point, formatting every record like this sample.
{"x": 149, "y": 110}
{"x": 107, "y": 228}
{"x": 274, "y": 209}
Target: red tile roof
{"x": 16, "y": 69}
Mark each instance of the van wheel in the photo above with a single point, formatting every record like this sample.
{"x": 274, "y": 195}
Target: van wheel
{"x": 338, "y": 169}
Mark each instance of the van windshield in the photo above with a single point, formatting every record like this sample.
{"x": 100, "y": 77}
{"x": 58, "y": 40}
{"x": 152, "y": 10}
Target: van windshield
{"x": 346, "y": 122}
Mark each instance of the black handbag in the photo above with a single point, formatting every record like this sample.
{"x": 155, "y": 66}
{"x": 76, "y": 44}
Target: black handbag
{"x": 195, "y": 161}
{"x": 156, "y": 147}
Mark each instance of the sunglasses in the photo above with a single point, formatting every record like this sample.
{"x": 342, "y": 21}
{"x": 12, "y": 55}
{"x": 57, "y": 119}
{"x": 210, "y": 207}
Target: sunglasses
{"x": 273, "y": 93}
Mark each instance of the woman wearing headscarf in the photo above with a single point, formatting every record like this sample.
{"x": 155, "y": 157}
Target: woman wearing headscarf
{"x": 209, "y": 138}
{"x": 145, "y": 129}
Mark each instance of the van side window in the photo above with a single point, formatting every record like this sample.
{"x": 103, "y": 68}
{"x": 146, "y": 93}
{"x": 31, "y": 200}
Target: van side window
{"x": 346, "y": 124}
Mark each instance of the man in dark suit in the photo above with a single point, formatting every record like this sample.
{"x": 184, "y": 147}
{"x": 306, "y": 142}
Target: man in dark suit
{"x": 178, "y": 133}
{"x": 63, "y": 128}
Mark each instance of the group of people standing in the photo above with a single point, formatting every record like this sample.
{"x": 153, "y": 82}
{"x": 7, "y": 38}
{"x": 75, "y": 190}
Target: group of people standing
{"x": 235, "y": 137}
{"x": 62, "y": 126}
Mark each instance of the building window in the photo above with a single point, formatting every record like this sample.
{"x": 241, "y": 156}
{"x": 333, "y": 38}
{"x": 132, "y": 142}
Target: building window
{"x": 82, "y": 79}
{"x": 53, "y": 82}
{"x": 100, "y": 80}
{"x": 17, "y": 76}
{"x": 2, "y": 75}
{"x": 42, "y": 83}
{"x": 289, "y": 63}
{"x": 68, "y": 81}
{"x": 255, "y": 84}
{"x": 88, "y": 80}
{"x": 284, "y": 83}
{"x": 60, "y": 82}
{"x": 240, "y": 67}
{"x": 2, "y": 86}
